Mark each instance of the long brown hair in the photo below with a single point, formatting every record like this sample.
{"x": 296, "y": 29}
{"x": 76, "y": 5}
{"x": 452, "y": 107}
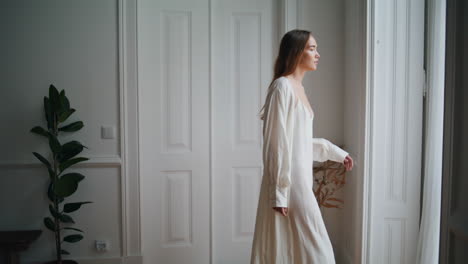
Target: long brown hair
{"x": 291, "y": 48}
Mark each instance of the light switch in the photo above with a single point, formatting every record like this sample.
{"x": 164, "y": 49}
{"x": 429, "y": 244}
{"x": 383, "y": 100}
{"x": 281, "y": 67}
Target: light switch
{"x": 107, "y": 132}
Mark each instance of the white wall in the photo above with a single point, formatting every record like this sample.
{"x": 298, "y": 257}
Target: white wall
{"x": 337, "y": 94}
{"x": 75, "y": 46}
{"x": 354, "y": 127}
{"x": 324, "y": 87}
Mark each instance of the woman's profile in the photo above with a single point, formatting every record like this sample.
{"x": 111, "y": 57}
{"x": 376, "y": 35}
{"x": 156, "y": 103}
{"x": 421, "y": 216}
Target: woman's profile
{"x": 289, "y": 228}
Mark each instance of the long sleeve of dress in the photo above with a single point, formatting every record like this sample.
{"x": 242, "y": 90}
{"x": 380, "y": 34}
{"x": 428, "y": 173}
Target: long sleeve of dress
{"x": 325, "y": 150}
{"x": 277, "y": 146}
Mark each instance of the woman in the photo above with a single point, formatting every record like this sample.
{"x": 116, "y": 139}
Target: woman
{"x": 289, "y": 228}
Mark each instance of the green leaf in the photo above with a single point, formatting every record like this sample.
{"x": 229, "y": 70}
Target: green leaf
{"x": 72, "y": 228}
{"x": 67, "y": 184}
{"x": 54, "y": 98}
{"x": 64, "y": 103}
{"x": 71, "y": 207}
{"x": 74, "y": 176}
{"x": 54, "y": 144}
{"x": 64, "y": 107}
{"x": 71, "y": 162}
{"x": 66, "y": 219}
{"x": 65, "y": 115}
{"x": 48, "y": 113}
{"x": 64, "y": 252}
{"x": 73, "y": 238}
{"x": 65, "y": 187}
{"x": 69, "y": 150}
{"x": 45, "y": 162}
{"x": 42, "y": 159}
{"x": 51, "y": 194}
{"x": 49, "y": 223}
{"x": 75, "y": 126}
{"x": 40, "y": 131}
{"x": 53, "y": 212}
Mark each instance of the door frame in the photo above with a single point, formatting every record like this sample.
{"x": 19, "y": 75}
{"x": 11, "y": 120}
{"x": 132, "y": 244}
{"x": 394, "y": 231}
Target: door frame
{"x": 449, "y": 119}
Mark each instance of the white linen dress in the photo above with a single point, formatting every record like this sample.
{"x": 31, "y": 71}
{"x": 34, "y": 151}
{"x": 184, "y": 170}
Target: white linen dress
{"x": 288, "y": 153}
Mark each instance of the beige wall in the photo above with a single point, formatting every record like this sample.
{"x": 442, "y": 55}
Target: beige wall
{"x": 324, "y": 87}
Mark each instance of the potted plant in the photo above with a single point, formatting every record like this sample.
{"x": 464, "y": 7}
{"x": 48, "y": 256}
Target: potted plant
{"x": 62, "y": 184}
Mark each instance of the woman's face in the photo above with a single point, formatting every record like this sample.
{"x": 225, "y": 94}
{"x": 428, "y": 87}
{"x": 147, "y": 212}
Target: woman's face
{"x": 310, "y": 57}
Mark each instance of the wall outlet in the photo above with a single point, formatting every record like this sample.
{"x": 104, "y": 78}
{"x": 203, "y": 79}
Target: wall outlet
{"x": 101, "y": 245}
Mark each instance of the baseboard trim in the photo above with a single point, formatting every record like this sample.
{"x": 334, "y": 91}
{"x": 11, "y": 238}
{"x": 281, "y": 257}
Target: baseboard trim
{"x": 116, "y": 260}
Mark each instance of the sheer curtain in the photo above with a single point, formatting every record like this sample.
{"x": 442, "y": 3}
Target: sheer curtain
{"x": 428, "y": 241}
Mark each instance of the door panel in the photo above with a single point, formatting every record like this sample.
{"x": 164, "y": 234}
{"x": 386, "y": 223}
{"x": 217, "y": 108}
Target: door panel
{"x": 397, "y": 78}
{"x": 244, "y": 43}
{"x": 173, "y": 76}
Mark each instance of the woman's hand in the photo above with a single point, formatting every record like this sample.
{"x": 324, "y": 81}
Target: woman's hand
{"x": 281, "y": 210}
{"x": 348, "y": 163}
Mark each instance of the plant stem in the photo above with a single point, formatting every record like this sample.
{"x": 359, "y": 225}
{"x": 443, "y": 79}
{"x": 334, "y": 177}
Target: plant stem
{"x": 58, "y": 244}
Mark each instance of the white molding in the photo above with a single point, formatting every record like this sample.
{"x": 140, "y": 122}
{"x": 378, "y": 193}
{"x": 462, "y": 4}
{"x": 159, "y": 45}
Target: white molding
{"x": 367, "y": 181}
{"x": 130, "y": 188}
{"x": 94, "y": 161}
{"x": 289, "y": 15}
{"x": 363, "y": 29}
{"x": 122, "y": 44}
{"x": 138, "y": 109}
{"x": 361, "y": 164}
{"x": 211, "y": 129}
{"x": 131, "y": 259}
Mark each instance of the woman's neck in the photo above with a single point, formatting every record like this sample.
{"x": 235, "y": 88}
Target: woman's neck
{"x": 298, "y": 75}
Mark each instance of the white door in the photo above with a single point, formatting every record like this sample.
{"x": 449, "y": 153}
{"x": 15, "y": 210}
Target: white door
{"x": 244, "y": 43}
{"x": 173, "y": 76}
{"x": 200, "y": 135}
{"x": 396, "y": 70}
